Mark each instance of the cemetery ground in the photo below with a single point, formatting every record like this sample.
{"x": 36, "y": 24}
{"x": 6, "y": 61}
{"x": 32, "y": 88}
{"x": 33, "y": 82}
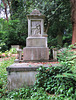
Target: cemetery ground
{"x": 53, "y": 83}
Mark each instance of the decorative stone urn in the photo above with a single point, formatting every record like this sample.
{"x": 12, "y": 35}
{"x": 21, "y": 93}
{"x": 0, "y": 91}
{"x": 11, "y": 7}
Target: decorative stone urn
{"x": 36, "y": 43}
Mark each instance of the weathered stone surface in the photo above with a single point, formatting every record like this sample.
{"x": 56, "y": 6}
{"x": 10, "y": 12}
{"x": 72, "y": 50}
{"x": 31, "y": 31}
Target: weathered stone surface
{"x": 22, "y": 74}
{"x": 35, "y": 23}
{"x": 35, "y": 27}
{"x": 20, "y": 79}
{"x": 35, "y": 53}
{"x": 36, "y": 42}
{"x": 22, "y": 67}
{"x": 55, "y": 54}
{"x": 35, "y": 14}
{"x": 19, "y": 51}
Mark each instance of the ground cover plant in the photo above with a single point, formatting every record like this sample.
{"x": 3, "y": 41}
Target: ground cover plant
{"x": 53, "y": 83}
{"x": 60, "y": 80}
{"x": 3, "y": 75}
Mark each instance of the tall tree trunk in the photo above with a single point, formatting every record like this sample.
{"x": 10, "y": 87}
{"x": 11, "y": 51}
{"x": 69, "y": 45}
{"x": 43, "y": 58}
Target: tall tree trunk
{"x": 5, "y": 5}
{"x": 73, "y": 3}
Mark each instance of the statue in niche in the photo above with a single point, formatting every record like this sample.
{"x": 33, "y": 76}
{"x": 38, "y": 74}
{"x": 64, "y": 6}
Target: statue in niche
{"x": 36, "y": 28}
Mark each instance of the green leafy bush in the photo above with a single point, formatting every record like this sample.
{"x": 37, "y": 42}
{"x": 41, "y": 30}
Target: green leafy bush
{"x": 20, "y": 93}
{"x": 55, "y": 81}
{"x": 59, "y": 80}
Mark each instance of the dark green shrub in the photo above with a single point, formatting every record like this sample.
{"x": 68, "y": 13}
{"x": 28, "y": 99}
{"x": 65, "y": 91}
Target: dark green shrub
{"x": 3, "y": 46}
{"x": 52, "y": 83}
{"x": 29, "y": 93}
{"x": 59, "y": 80}
{"x": 20, "y": 93}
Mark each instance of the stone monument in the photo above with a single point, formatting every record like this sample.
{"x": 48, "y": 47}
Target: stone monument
{"x": 21, "y": 74}
{"x": 36, "y": 43}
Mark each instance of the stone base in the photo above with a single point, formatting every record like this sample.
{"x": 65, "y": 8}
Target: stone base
{"x": 35, "y": 53}
{"x": 36, "y": 42}
{"x": 20, "y": 75}
{"x": 23, "y": 74}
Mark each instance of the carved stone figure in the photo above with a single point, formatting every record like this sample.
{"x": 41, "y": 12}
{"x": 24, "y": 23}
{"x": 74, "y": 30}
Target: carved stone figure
{"x": 36, "y": 28}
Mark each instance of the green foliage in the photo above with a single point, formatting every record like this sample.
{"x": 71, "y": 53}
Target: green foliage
{"x": 29, "y": 93}
{"x": 33, "y": 93}
{"x": 59, "y": 80}
{"x": 13, "y": 51}
{"x": 55, "y": 81}
{"x": 16, "y": 9}
{"x": 57, "y": 22}
{"x": 72, "y": 46}
{"x": 3, "y": 76}
{"x": 62, "y": 56}
{"x": 21, "y": 93}
{"x": 10, "y": 52}
{"x": 3, "y": 34}
{"x": 16, "y": 33}
{"x": 3, "y": 46}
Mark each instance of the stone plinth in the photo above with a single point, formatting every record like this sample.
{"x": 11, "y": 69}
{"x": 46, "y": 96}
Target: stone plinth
{"x": 21, "y": 79}
{"x": 35, "y": 53}
{"x": 36, "y": 42}
{"x": 20, "y": 74}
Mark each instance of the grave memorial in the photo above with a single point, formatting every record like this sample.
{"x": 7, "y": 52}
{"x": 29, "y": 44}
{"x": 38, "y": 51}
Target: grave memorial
{"x": 21, "y": 74}
{"x": 36, "y": 43}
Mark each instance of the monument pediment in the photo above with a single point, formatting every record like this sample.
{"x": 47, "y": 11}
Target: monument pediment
{"x": 35, "y": 12}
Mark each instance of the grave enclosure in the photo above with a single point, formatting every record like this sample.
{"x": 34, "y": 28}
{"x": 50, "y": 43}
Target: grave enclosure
{"x": 21, "y": 74}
